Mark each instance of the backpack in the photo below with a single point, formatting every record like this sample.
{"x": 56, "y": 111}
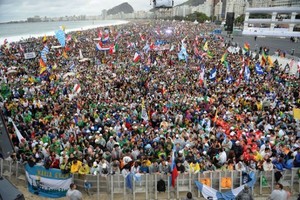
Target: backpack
{"x": 161, "y": 186}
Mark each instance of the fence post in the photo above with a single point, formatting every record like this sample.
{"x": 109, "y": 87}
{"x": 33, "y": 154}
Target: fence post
{"x": 155, "y": 185}
{"x": 169, "y": 185}
{"x": 111, "y": 186}
{"x": 147, "y": 186}
{"x": 1, "y": 166}
{"x": 190, "y": 181}
{"x": 199, "y": 177}
{"x": 17, "y": 169}
{"x": 98, "y": 187}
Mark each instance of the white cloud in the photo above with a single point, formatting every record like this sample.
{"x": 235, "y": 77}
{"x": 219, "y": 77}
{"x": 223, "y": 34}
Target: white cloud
{"x": 22, "y": 9}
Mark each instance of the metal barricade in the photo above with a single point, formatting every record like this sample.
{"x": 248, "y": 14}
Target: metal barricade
{"x": 117, "y": 185}
{"x": 8, "y": 168}
{"x": 183, "y": 183}
{"x": 266, "y": 180}
{"x": 295, "y": 179}
{"x": 141, "y": 186}
{"x": 88, "y": 183}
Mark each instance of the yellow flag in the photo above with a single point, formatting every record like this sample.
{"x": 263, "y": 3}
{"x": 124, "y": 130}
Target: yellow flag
{"x": 44, "y": 38}
{"x": 205, "y": 47}
{"x": 296, "y": 112}
{"x": 65, "y": 55}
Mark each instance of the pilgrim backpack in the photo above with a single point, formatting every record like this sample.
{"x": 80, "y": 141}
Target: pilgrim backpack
{"x": 161, "y": 186}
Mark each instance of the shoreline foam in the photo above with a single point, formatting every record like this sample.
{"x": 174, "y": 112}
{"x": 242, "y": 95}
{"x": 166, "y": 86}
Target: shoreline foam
{"x": 51, "y": 33}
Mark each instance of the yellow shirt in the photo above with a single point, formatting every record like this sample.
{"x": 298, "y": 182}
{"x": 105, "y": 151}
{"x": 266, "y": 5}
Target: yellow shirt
{"x": 84, "y": 169}
{"x": 75, "y": 167}
{"x": 195, "y": 167}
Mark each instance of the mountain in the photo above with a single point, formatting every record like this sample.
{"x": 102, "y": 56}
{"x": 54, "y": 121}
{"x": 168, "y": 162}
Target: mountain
{"x": 192, "y": 3}
{"x": 124, "y": 7}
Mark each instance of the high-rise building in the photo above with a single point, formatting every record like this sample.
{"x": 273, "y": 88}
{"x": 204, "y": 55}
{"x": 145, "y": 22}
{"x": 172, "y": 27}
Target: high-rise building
{"x": 286, "y": 3}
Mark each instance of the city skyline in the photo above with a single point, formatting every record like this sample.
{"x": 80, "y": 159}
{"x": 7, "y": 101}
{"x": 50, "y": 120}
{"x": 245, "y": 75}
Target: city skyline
{"x": 18, "y": 10}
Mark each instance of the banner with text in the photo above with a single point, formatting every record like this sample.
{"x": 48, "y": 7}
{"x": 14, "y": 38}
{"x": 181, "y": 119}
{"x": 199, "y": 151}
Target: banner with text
{"x": 50, "y": 183}
{"x": 29, "y": 55}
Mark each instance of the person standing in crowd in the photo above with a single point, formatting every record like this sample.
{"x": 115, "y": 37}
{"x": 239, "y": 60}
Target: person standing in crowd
{"x": 73, "y": 193}
{"x": 279, "y": 193}
{"x": 245, "y": 194}
{"x": 189, "y": 196}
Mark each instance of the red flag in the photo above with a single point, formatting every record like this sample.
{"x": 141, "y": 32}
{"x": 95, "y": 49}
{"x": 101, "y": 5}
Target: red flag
{"x": 174, "y": 175}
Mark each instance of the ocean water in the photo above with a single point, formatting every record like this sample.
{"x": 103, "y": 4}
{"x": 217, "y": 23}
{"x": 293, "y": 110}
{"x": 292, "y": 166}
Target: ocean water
{"x": 17, "y": 31}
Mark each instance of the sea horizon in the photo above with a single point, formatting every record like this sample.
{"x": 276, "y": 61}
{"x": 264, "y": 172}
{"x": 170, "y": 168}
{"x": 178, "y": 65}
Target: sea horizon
{"x": 14, "y": 32}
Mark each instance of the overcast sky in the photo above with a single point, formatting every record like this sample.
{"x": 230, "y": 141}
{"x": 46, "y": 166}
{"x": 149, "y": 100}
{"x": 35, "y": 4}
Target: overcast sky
{"x": 21, "y": 9}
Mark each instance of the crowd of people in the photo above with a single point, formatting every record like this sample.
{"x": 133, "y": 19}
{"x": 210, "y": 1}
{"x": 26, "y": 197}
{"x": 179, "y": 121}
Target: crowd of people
{"x": 133, "y": 107}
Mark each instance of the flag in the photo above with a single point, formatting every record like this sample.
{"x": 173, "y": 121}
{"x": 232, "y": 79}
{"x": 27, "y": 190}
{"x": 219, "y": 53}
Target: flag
{"x": 21, "y": 48}
{"x": 18, "y": 133}
{"x": 213, "y": 74}
{"x": 201, "y": 75}
{"x": 227, "y": 65}
{"x": 80, "y": 54}
{"x": 144, "y": 114}
{"x": 229, "y": 79}
{"x": 136, "y": 57}
{"x": 69, "y": 38}
{"x": 259, "y": 69}
{"x": 209, "y": 54}
{"x": 247, "y": 73}
{"x": 223, "y": 59}
{"x": 76, "y": 88}
{"x": 263, "y": 58}
{"x": 65, "y": 54}
{"x": 43, "y": 66}
{"x": 128, "y": 180}
{"x": 174, "y": 169}
{"x": 100, "y": 47}
{"x": 142, "y": 36}
{"x": 205, "y": 47}
{"x": 105, "y": 39}
{"x": 291, "y": 62}
{"x": 61, "y": 37}
{"x": 183, "y": 55}
{"x": 270, "y": 61}
{"x": 246, "y": 47}
{"x": 44, "y": 52}
{"x": 146, "y": 47}
{"x": 211, "y": 193}
{"x": 112, "y": 49}
{"x": 44, "y": 39}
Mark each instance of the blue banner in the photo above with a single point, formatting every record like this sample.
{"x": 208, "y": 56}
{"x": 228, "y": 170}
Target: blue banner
{"x": 50, "y": 183}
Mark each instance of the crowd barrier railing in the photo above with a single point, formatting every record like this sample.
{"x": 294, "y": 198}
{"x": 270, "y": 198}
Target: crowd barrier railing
{"x": 112, "y": 185}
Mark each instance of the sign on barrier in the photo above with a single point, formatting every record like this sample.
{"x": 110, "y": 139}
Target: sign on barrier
{"x": 49, "y": 183}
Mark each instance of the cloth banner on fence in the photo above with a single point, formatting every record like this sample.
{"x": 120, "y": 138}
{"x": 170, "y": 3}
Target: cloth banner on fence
{"x": 50, "y": 183}
{"x": 211, "y": 193}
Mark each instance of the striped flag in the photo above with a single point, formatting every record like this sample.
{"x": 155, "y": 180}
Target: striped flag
{"x": 247, "y": 73}
{"x": 43, "y": 66}
{"x": 61, "y": 37}
{"x": 263, "y": 58}
{"x": 223, "y": 59}
{"x": 174, "y": 169}
{"x": 246, "y": 47}
{"x": 201, "y": 75}
{"x": 136, "y": 57}
{"x": 18, "y": 133}
{"x": 259, "y": 69}
{"x": 76, "y": 88}
{"x": 213, "y": 74}
{"x": 100, "y": 47}
{"x": 44, "y": 53}
{"x": 229, "y": 79}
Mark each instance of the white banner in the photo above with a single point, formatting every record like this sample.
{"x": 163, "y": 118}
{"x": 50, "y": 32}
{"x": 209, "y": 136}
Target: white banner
{"x": 29, "y": 55}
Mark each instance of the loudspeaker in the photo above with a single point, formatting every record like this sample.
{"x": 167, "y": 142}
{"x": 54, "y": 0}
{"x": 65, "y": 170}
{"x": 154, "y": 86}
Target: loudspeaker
{"x": 8, "y": 191}
{"x": 229, "y": 21}
{"x": 6, "y": 146}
